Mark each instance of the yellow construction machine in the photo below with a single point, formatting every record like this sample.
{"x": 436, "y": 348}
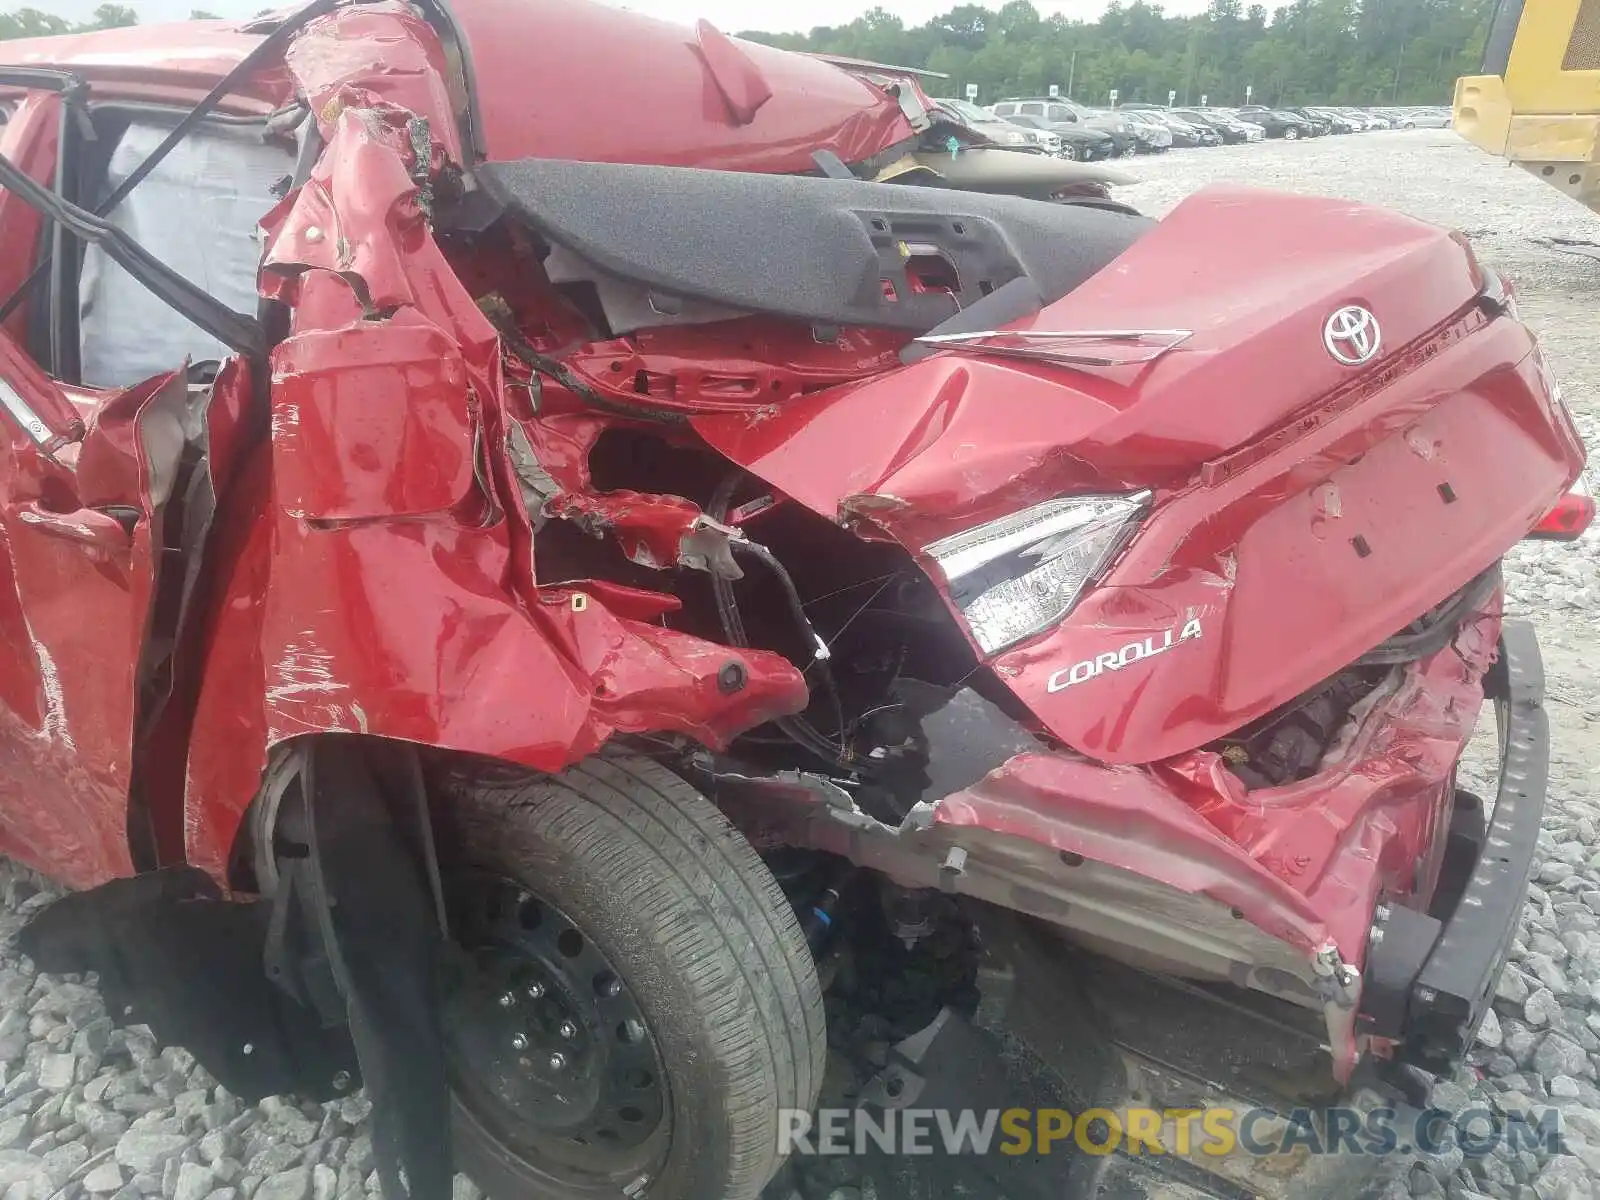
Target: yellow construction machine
{"x": 1537, "y": 103}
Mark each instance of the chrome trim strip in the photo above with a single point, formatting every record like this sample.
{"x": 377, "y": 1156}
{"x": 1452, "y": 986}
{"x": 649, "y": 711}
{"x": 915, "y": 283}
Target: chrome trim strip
{"x": 30, "y": 421}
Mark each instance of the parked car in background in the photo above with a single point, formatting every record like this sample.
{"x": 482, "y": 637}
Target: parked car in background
{"x": 1309, "y": 126}
{"x": 1374, "y": 118}
{"x": 1336, "y": 121}
{"x": 1056, "y": 113}
{"x": 1277, "y": 123}
{"x": 1183, "y": 134}
{"x": 1230, "y": 131}
{"x": 1153, "y": 136}
{"x": 998, "y": 130}
{"x": 1320, "y": 125}
{"x": 1359, "y": 120}
{"x": 1396, "y": 118}
{"x": 1078, "y": 142}
{"x": 1202, "y": 134}
{"x": 1431, "y": 118}
{"x": 1252, "y": 133}
{"x": 1124, "y": 142}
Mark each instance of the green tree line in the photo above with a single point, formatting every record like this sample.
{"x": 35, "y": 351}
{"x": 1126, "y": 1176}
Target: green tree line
{"x": 1308, "y": 51}
{"x": 31, "y": 22}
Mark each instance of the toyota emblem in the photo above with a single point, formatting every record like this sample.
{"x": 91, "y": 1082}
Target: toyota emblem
{"x": 1352, "y": 335}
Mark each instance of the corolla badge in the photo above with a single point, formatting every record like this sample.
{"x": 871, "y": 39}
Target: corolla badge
{"x": 1115, "y": 660}
{"x": 1352, "y": 335}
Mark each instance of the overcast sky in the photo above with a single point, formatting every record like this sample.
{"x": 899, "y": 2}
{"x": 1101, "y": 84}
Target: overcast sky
{"x": 727, "y": 15}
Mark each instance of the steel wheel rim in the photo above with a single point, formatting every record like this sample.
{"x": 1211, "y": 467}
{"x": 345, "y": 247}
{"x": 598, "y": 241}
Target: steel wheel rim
{"x": 547, "y": 1046}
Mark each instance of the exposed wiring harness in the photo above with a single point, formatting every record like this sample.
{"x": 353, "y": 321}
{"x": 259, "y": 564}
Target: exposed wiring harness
{"x": 511, "y": 338}
{"x": 800, "y": 730}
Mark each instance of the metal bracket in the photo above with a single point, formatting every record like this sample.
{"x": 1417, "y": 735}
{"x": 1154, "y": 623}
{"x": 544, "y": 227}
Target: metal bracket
{"x": 1066, "y": 347}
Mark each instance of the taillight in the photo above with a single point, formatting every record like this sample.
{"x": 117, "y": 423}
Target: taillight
{"x": 1498, "y": 294}
{"x": 1572, "y": 514}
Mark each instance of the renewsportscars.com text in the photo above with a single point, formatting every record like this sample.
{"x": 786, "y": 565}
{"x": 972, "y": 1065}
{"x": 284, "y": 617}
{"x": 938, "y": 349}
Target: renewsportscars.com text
{"x": 1216, "y": 1132}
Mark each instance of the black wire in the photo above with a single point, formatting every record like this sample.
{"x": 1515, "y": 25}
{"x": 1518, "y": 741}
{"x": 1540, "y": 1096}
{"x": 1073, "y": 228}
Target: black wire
{"x": 797, "y": 728}
{"x": 557, "y": 370}
{"x": 819, "y": 664}
{"x": 241, "y": 333}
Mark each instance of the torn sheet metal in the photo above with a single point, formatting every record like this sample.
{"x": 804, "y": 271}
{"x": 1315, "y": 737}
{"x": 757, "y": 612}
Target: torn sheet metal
{"x": 78, "y": 572}
{"x": 323, "y": 626}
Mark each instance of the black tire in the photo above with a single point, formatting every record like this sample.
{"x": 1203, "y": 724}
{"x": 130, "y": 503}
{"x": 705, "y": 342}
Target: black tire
{"x": 687, "y": 914}
{"x": 1291, "y": 135}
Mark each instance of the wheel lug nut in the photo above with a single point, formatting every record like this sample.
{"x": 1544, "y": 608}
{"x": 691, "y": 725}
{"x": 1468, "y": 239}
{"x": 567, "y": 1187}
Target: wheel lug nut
{"x": 519, "y": 1041}
{"x": 535, "y": 991}
{"x": 558, "y": 1061}
{"x": 507, "y": 1000}
{"x": 567, "y": 1030}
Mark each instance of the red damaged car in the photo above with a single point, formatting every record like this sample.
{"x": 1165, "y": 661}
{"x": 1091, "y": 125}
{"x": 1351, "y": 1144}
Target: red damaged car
{"x": 577, "y": 623}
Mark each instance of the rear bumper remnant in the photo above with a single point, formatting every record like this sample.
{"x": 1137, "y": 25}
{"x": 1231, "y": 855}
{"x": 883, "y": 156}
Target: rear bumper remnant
{"x": 1451, "y": 989}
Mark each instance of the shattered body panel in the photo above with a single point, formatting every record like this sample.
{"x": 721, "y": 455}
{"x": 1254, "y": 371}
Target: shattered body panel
{"x": 483, "y": 498}
{"x": 366, "y": 496}
{"x": 74, "y": 606}
{"x": 1306, "y": 862}
{"x": 1268, "y": 465}
{"x": 672, "y": 113}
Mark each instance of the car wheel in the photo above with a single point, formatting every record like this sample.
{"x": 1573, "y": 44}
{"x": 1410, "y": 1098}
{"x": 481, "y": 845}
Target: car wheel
{"x": 630, "y": 1001}
{"x": 1291, "y": 134}
{"x": 1070, "y": 153}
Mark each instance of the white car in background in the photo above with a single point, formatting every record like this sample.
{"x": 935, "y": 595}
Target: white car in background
{"x": 1430, "y": 118}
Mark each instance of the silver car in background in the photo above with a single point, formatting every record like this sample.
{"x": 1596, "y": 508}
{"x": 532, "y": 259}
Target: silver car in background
{"x": 1154, "y": 136}
{"x": 998, "y": 130}
{"x": 1058, "y": 111}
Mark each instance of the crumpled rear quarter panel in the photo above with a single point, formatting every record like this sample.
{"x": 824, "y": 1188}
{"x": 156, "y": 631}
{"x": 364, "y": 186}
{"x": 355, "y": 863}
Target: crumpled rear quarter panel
{"x": 378, "y": 565}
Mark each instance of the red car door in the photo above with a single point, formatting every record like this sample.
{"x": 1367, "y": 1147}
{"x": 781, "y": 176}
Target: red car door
{"x": 77, "y": 523}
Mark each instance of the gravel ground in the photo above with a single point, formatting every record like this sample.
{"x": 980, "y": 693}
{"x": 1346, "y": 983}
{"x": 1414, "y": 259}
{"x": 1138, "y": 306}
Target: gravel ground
{"x": 88, "y": 1110}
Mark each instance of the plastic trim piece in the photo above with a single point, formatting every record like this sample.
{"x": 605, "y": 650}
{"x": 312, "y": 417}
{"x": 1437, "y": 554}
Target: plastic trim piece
{"x": 1453, "y": 988}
